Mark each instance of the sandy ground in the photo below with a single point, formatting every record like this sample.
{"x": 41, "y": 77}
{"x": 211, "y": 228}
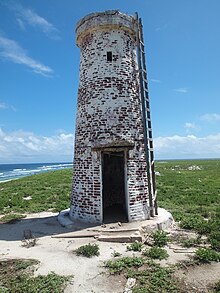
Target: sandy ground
{"x": 56, "y": 254}
{"x": 89, "y": 275}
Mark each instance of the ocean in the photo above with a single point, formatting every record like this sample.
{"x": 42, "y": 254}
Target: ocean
{"x": 14, "y": 171}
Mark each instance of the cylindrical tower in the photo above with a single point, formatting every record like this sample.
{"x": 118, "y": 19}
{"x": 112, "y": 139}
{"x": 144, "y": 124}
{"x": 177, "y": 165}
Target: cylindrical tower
{"x": 110, "y": 170}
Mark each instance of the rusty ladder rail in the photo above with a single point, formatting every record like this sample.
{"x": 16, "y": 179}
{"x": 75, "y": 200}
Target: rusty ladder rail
{"x": 148, "y": 136}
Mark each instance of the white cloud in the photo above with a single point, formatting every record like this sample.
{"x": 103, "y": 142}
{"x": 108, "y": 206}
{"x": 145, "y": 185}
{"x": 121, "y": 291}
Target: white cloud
{"x": 210, "y": 117}
{"x": 187, "y": 147}
{"x": 190, "y": 125}
{"x": 182, "y": 90}
{"x": 155, "y": 80}
{"x": 21, "y": 24}
{"x": 21, "y": 146}
{"x": 5, "y": 106}
{"x": 12, "y": 51}
{"x": 29, "y": 17}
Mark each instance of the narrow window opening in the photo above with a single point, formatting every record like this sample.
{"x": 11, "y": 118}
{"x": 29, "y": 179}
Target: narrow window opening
{"x": 109, "y": 56}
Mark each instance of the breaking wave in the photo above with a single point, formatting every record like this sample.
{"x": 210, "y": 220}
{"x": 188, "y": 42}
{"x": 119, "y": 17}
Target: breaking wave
{"x": 14, "y": 171}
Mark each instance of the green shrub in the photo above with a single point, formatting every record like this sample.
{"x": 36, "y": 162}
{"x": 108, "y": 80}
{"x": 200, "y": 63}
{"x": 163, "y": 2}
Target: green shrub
{"x": 214, "y": 239}
{"x": 206, "y": 255}
{"x": 196, "y": 223}
{"x": 16, "y": 276}
{"x": 135, "y": 246}
{"x": 160, "y": 238}
{"x": 49, "y": 283}
{"x": 116, "y": 254}
{"x": 88, "y": 250}
{"x": 156, "y": 253}
{"x": 153, "y": 278}
{"x": 123, "y": 263}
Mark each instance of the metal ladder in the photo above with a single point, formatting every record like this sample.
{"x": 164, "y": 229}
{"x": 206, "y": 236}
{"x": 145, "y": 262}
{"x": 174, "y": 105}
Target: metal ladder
{"x": 148, "y": 137}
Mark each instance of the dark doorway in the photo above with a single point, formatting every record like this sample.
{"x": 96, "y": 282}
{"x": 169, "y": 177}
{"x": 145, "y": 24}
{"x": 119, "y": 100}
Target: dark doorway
{"x": 113, "y": 180}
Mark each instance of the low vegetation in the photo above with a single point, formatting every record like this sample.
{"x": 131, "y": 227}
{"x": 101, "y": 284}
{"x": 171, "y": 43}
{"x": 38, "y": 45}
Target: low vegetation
{"x": 191, "y": 241}
{"x": 36, "y": 193}
{"x": 16, "y": 276}
{"x": 206, "y": 255}
{"x": 190, "y": 191}
{"x": 216, "y": 287}
{"x": 88, "y": 250}
{"x": 154, "y": 278}
{"x": 150, "y": 276}
{"x": 124, "y": 263}
{"x": 156, "y": 253}
{"x": 11, "y": 218}
{"x": 135, "y": 246}
{"x": 116, "y": 254}
{"x": 160, "y": 238}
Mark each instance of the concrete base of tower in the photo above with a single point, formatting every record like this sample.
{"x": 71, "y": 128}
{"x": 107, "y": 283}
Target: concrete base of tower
{"x": 162, "y": 221}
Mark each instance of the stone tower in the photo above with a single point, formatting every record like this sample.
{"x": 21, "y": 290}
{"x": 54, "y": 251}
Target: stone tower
{"x": 110, "y": 170}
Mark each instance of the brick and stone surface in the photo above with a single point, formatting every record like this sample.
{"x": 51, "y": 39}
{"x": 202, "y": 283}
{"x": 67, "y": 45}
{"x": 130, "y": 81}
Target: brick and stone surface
{"x": 109, "y": 115}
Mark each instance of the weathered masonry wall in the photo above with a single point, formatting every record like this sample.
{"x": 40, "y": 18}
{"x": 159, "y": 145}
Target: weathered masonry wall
{"x": 108, "y": 115}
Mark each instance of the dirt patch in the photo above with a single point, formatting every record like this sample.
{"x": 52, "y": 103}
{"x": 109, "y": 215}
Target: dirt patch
{"x": 199, "y": 278}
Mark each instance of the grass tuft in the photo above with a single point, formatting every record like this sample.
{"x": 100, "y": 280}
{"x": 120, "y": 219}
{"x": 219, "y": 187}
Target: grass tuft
{"x": 160, "y": 238}
{"x": 88, "y": 250}
{"x": 156, "y": 253}
{"x": 135, "y": 246}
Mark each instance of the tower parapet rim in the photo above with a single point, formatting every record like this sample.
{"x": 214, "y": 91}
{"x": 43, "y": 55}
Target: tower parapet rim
{"x": 104, "y": 21}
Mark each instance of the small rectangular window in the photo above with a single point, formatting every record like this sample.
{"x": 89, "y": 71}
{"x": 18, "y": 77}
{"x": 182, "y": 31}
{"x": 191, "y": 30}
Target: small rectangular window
{"x": 109, "y": 56}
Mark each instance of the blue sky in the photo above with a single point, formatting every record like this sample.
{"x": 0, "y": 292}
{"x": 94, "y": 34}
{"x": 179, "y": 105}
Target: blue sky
{"x": 39, "y": 70}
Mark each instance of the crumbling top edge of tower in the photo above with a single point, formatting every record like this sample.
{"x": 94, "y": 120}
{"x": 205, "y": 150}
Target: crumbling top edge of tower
{"x": 109, "y": 19}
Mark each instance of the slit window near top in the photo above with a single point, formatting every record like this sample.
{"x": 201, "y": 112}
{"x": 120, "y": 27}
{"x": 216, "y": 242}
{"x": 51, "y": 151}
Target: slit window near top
{"x": 109, "y": 56}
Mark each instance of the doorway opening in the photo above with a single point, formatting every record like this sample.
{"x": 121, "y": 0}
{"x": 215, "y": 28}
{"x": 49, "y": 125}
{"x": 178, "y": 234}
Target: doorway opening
{"x": 114, "y": 201}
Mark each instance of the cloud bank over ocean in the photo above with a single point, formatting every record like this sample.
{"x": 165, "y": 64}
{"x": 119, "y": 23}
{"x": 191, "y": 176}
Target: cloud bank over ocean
{"x": 24, "y": 147}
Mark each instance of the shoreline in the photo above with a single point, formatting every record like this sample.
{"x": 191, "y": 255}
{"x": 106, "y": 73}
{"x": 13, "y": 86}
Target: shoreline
{"x": 7, "y": 180}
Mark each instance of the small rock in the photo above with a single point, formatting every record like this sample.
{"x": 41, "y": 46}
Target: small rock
{"x": 129, "y": 285}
